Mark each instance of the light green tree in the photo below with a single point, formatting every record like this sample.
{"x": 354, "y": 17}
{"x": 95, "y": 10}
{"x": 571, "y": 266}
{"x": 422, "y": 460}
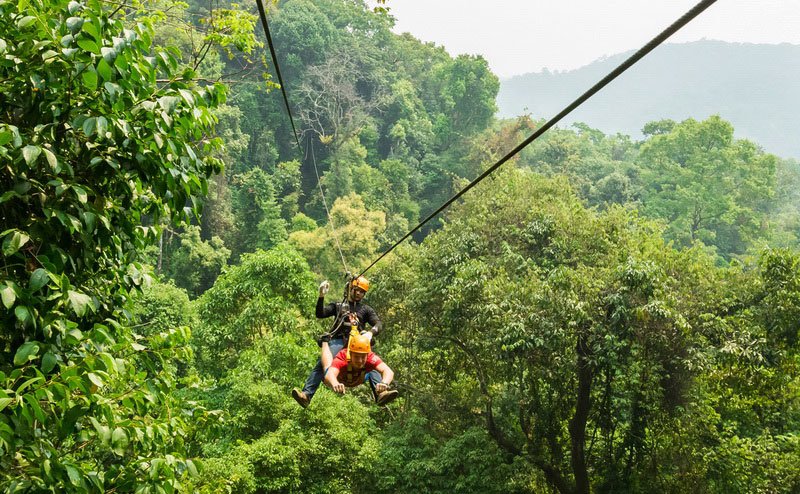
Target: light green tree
{"x": 357, "y": 231}
{"x": 707, "y": 186}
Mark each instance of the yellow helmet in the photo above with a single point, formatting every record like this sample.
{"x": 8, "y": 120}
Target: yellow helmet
{"x": 359, "y": 344}
{"x": 360, "y": 282}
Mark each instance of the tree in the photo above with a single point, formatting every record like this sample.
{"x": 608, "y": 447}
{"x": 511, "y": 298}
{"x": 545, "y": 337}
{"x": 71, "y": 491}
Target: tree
{"x": 161, "y": 308}
{"x": 195, "y": 265}
{"x": 706, "y": 185}
{"x": 258, "y": 216}
{"x": 355, "y": 229}
{"x": 265, "y": 295}
{"x": 562, "y": 332}
{"x": 95, "y": 152}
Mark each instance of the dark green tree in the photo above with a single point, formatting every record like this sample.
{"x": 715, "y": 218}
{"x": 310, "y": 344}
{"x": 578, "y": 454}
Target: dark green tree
{"x": 101, "y": 138}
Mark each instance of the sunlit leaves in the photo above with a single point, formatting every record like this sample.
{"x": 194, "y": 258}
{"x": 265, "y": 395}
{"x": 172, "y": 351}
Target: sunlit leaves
{"x": 83, "y": 178}
{"x": 26, "y": 352}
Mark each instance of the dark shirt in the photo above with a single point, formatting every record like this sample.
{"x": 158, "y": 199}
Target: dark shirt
{"x": 342, "y": 310}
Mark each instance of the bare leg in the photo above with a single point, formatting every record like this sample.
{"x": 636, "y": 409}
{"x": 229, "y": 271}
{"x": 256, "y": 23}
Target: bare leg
{"x": 327, "y": 357}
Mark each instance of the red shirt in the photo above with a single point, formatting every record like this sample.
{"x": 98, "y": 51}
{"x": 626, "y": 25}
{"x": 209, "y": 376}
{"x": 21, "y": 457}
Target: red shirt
{"x": 348, "y": 374}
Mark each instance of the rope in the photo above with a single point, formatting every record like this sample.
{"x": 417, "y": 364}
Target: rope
{"x": 330, "y": 218}
{"x": 669, "y": 31}
{"x": 262, "y": 13}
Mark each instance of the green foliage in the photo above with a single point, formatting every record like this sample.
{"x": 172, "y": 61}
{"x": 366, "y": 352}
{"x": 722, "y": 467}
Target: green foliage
{"x": 357, "y": 231}
{"x": 412, "y": 459}
{"x": 267, "y": 294}
{"x": 272, "y": 445}
{"x": 258, "y": 215}
{"x": 162, "y": 307}
{"x": 94, "y": 151}
{"x": 195, "y": 265}
{"x": 528, "y": 311}
{"x": 711, "y": 188}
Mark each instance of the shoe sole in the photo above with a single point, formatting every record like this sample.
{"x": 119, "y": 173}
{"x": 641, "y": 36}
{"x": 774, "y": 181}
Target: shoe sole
{"x": 387, "y": 398}
{"x": 299, "y": 398}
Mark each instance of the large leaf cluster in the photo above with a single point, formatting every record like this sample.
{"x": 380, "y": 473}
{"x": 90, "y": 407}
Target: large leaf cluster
{"x": 99, "y": 138}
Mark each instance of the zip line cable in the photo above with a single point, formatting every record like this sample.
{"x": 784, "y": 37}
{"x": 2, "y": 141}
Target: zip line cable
{"x": 263, "y": 14}
{"x": 324, "y": 203}
{"x": 669, "y": 31}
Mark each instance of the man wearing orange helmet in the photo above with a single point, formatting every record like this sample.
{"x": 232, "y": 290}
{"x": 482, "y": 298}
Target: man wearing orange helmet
{"x": 357, "y": 364}
{"x": 349, "y": 314}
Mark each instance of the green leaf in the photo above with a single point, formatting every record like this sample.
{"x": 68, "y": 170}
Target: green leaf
{"x": 79, "y": 301}
{"x": 5, "y": 136}
{"x": 102, "y": 126}
{"x": 8, "y": 295}
{"x": 89, "y": 126}
{"x": 2, "y": 46}
{"x": 89, "y": 219}
{"x": 74, "y": 475}
{"x": 104, "y": 69}
{"x": 4, "y": 402}
{"x": 48, "y": 362}
{"x": 109, "y": 54}
{"x": 25, "y": 21}
{"x": 103, "y": 431}
{"x": 14, "y": 242}
{"x": 38, "y": 279}
{"x": 51, "y": 158}
{"x": 23, "y": 314}
{"x": 95, "y": 379}
{"x": 91, "y": 28}
{"x": 30, "y": 153}
{"x": 26, "y": 352}
{"x": 8, "y": 195}
{"x": 74, "y": 7}
{"x": 79, "y": 192}
{"x": 74, "y": 24}
{"x": 119, "y": 441}
{"x": 90, "y": 79}
{"x": 89, "y": 45}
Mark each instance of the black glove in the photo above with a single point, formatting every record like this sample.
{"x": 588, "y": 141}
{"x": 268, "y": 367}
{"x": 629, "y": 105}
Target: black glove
{"x": 325, "y": 338}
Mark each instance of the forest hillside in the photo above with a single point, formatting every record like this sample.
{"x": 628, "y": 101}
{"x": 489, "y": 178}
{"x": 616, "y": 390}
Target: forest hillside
{"x": 753, "y": 86}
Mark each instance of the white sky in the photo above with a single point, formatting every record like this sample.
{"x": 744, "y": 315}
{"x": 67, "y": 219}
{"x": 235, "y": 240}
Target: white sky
{"x": 520, "y": 36}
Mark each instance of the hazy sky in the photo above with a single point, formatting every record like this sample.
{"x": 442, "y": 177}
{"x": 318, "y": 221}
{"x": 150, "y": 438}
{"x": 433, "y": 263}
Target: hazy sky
{"x": 519, "y": 36}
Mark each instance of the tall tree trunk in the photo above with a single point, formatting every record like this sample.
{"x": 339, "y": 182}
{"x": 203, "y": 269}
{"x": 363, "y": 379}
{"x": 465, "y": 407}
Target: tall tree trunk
{"x": 577, "y": 426}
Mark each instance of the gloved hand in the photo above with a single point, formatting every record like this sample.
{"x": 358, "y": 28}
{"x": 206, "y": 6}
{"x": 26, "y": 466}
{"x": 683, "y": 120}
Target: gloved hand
{"x": 368, "y": 334}
{"x": 323, "y": 288}
{"x": 381, "y": 387}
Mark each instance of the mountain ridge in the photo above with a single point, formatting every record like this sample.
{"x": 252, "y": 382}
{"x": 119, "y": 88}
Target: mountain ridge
{"x": 754, "y": 86}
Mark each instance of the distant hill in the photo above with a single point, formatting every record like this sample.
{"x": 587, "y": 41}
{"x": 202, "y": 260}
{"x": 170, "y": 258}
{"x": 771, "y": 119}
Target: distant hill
{"x": 755, "y": 87}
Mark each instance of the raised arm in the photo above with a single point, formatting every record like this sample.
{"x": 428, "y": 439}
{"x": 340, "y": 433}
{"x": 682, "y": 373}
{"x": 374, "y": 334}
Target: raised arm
{"x": 372, "y": 319}
{"x": 322, "y": 311}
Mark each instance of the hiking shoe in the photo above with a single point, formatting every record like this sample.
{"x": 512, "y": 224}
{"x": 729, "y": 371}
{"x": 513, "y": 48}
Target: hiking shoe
{"x": 300, "y": 398}
{"x": 386, "y": 397}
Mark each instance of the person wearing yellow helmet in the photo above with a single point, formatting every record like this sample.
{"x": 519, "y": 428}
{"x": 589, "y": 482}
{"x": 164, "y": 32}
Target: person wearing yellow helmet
{"x": 349, "y": 314}
{"x": 358, "y": 364}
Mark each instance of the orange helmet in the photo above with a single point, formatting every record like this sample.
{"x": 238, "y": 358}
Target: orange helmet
{"x": 360, "y": 282}
{"x": 359, "y": 344}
